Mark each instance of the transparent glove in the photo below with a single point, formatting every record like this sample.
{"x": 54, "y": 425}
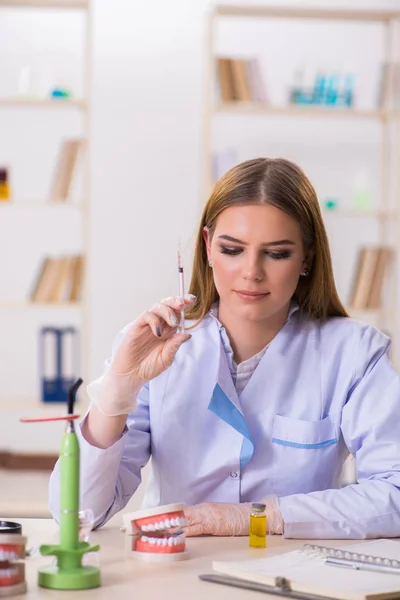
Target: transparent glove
{"x": 220, "y": 518}
{"x": 113, "y": 394}
{"x": 147, "y": 348}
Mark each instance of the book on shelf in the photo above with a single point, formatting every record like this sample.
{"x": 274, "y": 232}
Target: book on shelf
{"x": 306, "y": 572}
{"x": 369, "y": 279}
{"x": 59, "y": 280}
{"x": 240, "y": 80}
{"x": 77, "y": 279}
{"x": 67, "y": 163}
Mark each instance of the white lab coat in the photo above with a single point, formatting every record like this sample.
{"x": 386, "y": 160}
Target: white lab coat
{"x": 322, "y": 389}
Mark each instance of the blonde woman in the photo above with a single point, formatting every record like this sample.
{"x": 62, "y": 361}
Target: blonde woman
{"x": 267, "y": 393}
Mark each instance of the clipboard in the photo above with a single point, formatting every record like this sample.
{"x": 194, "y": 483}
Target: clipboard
{"x": 281, "y": 588}
{"x": 316, "y": 572}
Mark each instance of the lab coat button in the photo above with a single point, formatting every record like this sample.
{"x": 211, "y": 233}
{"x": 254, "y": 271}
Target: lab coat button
{"x": 233, "y": 474}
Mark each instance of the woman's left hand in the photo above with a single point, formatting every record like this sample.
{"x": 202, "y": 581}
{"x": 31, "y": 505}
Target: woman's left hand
{"x": 217, "y": 518}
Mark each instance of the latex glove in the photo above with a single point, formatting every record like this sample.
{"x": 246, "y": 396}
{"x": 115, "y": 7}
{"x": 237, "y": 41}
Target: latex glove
{"x": 148, "y": 348}
{"x": 220, "y": 518}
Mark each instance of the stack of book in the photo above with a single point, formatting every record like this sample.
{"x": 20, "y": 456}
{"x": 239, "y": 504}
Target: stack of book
{"x": 59, "y": 280}
{"x": 371, "y": 270}
{"x": 240, "y": 80}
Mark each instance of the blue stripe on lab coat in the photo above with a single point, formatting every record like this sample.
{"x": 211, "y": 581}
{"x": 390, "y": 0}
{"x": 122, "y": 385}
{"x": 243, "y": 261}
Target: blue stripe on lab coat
{"x": 222, "y": 406}
{"x": 296, "y": 445}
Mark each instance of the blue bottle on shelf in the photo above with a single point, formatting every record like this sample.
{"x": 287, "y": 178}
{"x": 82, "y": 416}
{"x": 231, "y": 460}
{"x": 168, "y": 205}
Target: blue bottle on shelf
{"x": 331, "y": 96}
{"x": 319, "y": 90}
{"x": 348, "y": 90}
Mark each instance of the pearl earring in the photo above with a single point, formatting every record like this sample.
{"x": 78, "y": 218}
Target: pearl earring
{"x": 210, "y": 263}
{"x": 305, "y": 272}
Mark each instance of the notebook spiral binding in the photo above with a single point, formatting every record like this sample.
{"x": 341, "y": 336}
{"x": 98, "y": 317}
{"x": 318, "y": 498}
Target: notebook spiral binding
{"x": 348, "y": 555}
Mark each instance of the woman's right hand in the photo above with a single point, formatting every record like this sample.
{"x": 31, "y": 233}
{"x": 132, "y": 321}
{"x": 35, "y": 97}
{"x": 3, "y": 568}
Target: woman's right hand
{"x": 148, "y": 348}
{"x": 150, "y": 343}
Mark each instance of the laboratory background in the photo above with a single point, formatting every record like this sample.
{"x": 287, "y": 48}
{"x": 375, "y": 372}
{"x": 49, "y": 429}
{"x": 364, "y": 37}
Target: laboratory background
{"x": 116, "y": 118}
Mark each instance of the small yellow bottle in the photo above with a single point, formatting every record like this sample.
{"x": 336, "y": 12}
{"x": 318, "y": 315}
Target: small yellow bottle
{"x": 4, "y": 186}
{"x": 258, "y": 526}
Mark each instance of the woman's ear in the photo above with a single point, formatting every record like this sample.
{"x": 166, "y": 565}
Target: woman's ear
{"x": 207, "y": 239}
{"x": 308, "y": 260}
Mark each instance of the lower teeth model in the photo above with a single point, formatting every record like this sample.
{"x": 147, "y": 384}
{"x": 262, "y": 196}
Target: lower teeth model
{"x": 155, "y": 534}
{"x": 12, "y": 570}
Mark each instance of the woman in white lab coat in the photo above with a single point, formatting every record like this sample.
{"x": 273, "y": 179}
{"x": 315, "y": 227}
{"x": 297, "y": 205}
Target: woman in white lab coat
{"x": 266, "y": 393}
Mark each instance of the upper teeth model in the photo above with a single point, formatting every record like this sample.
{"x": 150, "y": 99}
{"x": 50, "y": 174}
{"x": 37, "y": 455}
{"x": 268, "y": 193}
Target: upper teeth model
{"x": 155, "y": 533}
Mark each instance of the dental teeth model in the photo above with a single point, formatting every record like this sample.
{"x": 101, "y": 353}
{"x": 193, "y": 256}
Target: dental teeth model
{"x": 155, "y": 534}
{"x": 12, "y": 569}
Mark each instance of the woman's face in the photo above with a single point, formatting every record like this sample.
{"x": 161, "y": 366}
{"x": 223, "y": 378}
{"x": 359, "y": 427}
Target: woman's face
{"x": 257, "y": 256}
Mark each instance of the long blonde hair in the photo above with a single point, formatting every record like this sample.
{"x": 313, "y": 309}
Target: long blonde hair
{"x": 282, "y": 184}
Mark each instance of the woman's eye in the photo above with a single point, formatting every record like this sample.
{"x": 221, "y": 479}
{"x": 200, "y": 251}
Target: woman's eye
{"x": 279, "y": 255}
{"x": 231, "y": 251}
{"x": 234, "y": 251}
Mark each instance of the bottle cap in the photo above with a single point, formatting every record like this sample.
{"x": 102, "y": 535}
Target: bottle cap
{"x": 3, "y": 175}
{"x": 10, "y": 527}
{"x": 258, "y": 506}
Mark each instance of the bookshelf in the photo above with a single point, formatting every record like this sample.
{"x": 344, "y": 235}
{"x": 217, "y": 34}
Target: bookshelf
{"x": 37, "y": 305}
{"x": 249, "y": 108}
{"x": 21, "y": 210}
{"x": 39, "y": 204}
{"x": 336, "y": 14}
{"x": 243, "y": 113}
{"x": 42, "y": 103}
{"x": 62, "y": 4}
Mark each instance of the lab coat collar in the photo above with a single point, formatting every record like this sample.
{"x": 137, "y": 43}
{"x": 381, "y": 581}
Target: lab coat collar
{"x": 224, "y": 402}
{"x": 293, "y": 308}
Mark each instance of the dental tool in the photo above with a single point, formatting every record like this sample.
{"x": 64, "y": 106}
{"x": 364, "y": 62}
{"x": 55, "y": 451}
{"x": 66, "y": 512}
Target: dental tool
{"x": 181, "y": 327}
{"x": 68, "y": 573}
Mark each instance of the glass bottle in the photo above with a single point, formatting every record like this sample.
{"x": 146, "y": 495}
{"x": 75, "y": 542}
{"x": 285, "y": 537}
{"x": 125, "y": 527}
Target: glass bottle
{"x": 258, "y": 526}
{"x": 4, "y": 185}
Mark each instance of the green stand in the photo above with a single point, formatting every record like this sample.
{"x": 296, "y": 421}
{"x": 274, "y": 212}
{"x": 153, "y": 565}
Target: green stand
{"x": 69, "y": 573}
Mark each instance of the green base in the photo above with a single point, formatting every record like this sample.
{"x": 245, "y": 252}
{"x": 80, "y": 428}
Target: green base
{"x": 80, "y": 578}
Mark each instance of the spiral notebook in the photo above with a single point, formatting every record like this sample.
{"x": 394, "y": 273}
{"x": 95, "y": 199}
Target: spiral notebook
{"x": 306, "y": 572}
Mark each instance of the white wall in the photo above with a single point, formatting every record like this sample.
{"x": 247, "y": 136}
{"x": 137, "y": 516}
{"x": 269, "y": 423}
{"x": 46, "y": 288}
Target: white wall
{"x": 148, "y": 60}
{"x": 146, "y": 156}
{"x": 147, "y": 140}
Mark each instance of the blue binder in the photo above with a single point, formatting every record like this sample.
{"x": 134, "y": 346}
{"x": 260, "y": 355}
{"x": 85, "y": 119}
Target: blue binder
{"x": 58, "y": 362}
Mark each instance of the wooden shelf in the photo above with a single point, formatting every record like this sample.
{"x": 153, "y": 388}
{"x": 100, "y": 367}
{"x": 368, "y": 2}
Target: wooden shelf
{"x": 362, "y": 214}
{"x": 248, "y": 108}
{"x": 28, "y": 304}
{"x": 371, "y": 314}
{"x": 23, "y": 204}
{"x": 306, "y": 13}
{"x": 43, "y": 103}
{"x": 30, "y": 406}
{"x": 66, "y": 4}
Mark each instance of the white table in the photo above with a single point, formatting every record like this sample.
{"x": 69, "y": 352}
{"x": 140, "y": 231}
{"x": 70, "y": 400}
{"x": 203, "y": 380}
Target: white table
{"x": 123, "y": 577}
